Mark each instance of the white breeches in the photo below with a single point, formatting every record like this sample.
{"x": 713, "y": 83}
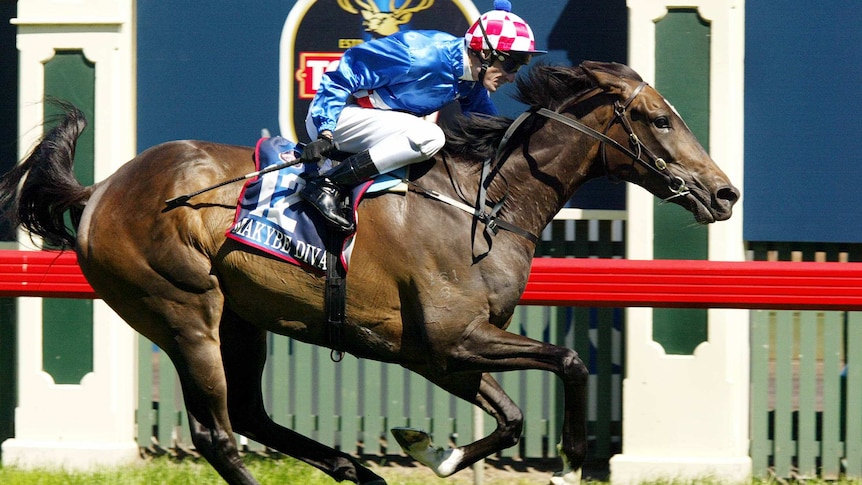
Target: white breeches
{"x": 393, "y": 139}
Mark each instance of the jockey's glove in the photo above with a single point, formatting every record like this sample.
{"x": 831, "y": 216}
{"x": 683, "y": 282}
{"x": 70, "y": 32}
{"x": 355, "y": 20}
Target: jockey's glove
{"x": 318, "y": 149}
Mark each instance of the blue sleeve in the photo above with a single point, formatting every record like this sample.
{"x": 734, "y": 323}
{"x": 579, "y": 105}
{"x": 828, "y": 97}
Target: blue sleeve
{"x": 367, "y": 66}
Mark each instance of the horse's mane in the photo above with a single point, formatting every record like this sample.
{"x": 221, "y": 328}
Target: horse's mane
{"x": 543, "y": 86}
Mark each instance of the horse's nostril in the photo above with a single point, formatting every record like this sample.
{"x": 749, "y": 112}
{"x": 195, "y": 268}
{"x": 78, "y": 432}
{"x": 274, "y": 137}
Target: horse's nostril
{"x": 728, "y": 194}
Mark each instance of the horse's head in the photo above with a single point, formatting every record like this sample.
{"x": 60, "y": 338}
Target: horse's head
{"x": 658, "y": 151}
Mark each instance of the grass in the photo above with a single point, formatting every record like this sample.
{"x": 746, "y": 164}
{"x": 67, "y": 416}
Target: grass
{"x": 166, "y": 471}
{"x": 190, "y": 470}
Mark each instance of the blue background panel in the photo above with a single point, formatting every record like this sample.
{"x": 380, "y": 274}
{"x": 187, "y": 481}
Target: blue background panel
{"x": 803, "y": 166}
{"x": 208, "y": 70}
{"x": 212, "y": 73}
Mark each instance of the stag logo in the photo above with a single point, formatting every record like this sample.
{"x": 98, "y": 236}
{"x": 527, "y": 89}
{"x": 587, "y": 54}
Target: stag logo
{"x": 384, "y": 23}
{"x": 307, "y": 51}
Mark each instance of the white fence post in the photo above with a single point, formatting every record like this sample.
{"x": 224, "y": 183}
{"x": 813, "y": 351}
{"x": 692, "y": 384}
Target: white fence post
{"x": 89, "y": 422}
{"x": 686, "y": 416}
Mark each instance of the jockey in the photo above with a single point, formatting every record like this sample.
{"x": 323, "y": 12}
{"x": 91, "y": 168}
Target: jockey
{"x": 372, "y": 104}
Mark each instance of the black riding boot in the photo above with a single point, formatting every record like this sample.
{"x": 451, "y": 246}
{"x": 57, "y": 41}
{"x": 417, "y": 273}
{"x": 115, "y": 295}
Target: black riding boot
{"x": 325, "y": 192}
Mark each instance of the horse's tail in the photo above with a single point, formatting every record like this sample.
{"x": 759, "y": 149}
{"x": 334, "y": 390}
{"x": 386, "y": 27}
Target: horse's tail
{"x": 49, "y": 189}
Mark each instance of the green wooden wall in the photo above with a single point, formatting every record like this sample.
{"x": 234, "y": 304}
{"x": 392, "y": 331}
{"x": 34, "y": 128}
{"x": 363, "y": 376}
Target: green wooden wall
{"x": 682, "y": 75}
{"x": 67, "y": 325}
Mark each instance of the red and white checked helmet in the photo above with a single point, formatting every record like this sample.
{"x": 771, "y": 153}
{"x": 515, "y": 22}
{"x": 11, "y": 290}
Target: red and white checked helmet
{"x": 504, "y": 32}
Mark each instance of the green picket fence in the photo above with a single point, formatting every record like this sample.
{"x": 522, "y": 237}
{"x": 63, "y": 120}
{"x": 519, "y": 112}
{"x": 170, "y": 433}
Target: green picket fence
{"x": 351, "y": 405}
{"x": 806, "y": 380}
{"x": 806, "y": 394}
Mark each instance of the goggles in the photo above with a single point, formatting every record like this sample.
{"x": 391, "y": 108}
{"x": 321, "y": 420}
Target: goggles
{"x": 511, "y": 63}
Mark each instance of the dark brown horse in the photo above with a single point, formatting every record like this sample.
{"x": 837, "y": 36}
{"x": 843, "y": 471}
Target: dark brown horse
{"x": 429, "y": 289}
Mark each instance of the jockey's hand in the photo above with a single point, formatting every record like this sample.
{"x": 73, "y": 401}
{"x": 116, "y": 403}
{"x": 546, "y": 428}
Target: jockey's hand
{"x": 318, "y": 149}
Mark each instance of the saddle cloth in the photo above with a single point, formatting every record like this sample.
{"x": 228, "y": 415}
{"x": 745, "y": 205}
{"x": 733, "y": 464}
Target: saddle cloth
{"x": 271, "y": 216}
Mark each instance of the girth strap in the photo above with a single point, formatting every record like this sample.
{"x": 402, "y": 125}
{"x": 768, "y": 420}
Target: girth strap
{"x": 335, "y": 296}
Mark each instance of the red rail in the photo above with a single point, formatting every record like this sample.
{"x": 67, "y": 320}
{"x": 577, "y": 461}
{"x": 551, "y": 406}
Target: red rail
{"x": 565, "y": 282}
{"x": 695, "y": 284}
{"x": 42, "y": 273}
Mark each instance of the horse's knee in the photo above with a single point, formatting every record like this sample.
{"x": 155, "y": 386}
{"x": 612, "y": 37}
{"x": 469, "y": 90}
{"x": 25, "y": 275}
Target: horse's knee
{"x": 512, "y": 432}
{"x": 516, "y": 419}
{"x": 574, "y": 369}
{"x": 511, "y": 426}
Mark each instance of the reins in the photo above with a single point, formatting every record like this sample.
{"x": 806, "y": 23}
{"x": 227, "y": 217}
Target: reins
{"x": 636, "y": 151}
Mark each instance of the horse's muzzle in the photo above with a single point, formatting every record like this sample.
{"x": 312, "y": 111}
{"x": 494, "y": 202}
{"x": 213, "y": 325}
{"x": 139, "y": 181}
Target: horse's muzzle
{"x": 722, "y": 202}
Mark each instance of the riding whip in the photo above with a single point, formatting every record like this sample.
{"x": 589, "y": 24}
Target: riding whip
{"x": 182, "y": 199}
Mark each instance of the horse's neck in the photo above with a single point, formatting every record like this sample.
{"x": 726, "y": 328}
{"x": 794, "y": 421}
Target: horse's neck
{"x": 537, "y": 177}
{"x": 543, "y": 173}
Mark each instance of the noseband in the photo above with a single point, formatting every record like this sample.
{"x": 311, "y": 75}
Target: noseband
{"x": 636, "y": 149}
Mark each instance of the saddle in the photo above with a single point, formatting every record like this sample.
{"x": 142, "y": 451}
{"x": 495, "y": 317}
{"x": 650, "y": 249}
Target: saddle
{"x": 271, "y": 217}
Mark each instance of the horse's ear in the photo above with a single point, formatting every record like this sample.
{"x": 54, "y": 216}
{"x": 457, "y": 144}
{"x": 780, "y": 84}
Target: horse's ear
{"x": 608, "y": 81}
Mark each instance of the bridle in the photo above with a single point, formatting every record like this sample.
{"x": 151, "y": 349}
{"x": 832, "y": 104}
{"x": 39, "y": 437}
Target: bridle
{"x": 636, "y": 149}
{"x": 654, "y": 163}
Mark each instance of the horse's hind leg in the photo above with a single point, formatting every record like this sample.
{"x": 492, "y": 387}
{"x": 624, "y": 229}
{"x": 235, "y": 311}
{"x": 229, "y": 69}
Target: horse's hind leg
{"x": 244, "y": 354}
{"x": 186, "y": 328}
{"x": 201, "y": 374}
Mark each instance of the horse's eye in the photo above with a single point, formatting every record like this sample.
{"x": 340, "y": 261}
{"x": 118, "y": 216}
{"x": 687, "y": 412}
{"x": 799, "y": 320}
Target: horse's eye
{"x": 662, "y": 123}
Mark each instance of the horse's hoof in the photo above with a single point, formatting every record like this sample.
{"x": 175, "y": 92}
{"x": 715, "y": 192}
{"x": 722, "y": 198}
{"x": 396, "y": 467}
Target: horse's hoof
{"x": 417, "y": 444}
{"x": 567, "y": 478}
{"x": 410, "y": 438}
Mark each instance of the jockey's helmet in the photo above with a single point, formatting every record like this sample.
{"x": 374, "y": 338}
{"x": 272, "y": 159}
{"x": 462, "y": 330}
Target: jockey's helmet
{"x": 501, "y": 32}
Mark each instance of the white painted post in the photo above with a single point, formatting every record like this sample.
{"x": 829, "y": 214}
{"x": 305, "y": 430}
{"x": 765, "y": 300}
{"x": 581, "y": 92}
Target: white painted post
{"x": 686, "y": 417}
{"x": 90, "y": 423}
{"x": 74, "y": 426}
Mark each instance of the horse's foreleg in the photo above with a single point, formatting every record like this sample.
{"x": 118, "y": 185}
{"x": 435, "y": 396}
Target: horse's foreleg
{"x": 244, "y": 355}
{"x": 485, "y": 393}
{"x": 490, "y": 349}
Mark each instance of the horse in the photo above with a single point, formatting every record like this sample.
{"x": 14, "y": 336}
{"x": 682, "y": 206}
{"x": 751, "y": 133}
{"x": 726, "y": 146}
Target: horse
{"x": 431, "y": 287}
